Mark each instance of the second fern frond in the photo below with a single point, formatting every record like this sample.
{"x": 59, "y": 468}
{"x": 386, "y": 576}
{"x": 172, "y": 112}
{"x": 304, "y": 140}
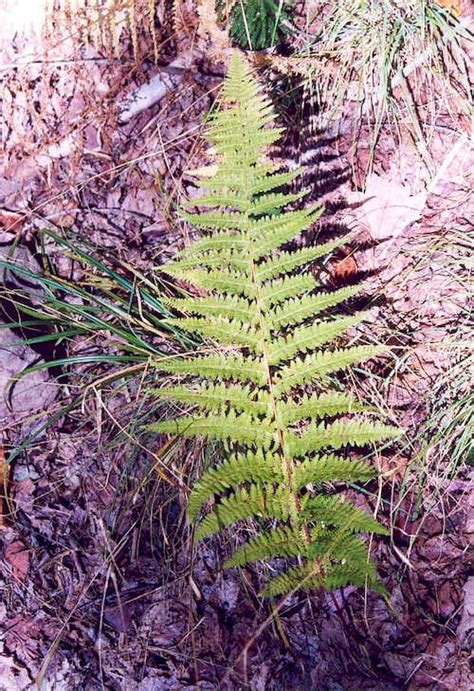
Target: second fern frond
{"x": 255, "y": 24}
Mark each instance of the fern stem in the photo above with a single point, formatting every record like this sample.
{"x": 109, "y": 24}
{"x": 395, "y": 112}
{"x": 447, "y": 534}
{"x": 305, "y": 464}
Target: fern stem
{"x": 287, "y": 461}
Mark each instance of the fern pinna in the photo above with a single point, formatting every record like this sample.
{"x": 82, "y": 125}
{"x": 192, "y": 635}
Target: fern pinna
{"x": 263, "y": 320}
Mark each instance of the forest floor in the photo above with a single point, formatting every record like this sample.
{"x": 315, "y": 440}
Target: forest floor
{"x": 101, "y": 585}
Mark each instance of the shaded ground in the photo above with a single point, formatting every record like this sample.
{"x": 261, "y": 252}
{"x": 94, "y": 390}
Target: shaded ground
{"x": 101, "y": 585}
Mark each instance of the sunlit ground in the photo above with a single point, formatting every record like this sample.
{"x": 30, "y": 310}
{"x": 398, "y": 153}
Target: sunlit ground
{"x": 24, "y": 25}
{"x": 22, "y": 16}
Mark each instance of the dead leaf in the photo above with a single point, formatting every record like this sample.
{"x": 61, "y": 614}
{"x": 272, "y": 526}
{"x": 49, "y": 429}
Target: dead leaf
{"x": 18, "y": 557}
{"x": 342, "y": 270}
{"x": 454, "y": 6}
{"x": 387, "y": 207}
{"x": 206, "y": 171}
{"x": 185, "y": 18}
{"x": 394, "y": 469}
{"x": 203, "y": 171}
{"x": 11, "y": 221}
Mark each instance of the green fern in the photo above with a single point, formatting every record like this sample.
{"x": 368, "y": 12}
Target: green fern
{"x": 256, "y": 24}
{"x": 280, "y": 438}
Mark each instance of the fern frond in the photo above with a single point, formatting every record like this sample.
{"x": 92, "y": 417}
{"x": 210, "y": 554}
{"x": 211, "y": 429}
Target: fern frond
{"x": 279, "y": 542}
{"x": 221, "y": 426}
{"x": 232, "y": 259}
{"x": 348, "y": 560}
{"x": 234, "y": 179}
{"x": 309, "y": 576}
{"x": 246, "y": 503}
{"x": 272, "y": 181}
{"x": 238, "y": 88}
{"x": 279, "y": 290}
{"x": 217, "y": 367}
{"x": 295, "y": 311}
{"x": 230, "y": 282}
{"x": 218, "y": 241}
{"x": 217, "y": 396}
{"x": 228, "y": 198}
{"x": 342, "y": 546}
{"x": 333, "y": 511}
{"x": 267, "y": 203}
{"x": 321, "y": 363}
{"x": 308, "y": 338}
{"x": 339, "y": 434}
{"x": 226, "y": 143}
{"x": 242, "y": 468}
{"x": 229, "y": 179}
{"x": 283, "y": 230}
{"x": 287, "y": 261}
{"x": 250, "y": 400}
{"x": 260, "y": 109}
{"x": 226, "y": 331}
{"x": 221, "y": 306}
{"x": 223, "y": 125}
{"x": 346, "y": 574}
{"x": 331, "y": 469}
{"x": 318, "y": 406}
{"x": 267, "y": 226}
{"x": 303, "y": 577}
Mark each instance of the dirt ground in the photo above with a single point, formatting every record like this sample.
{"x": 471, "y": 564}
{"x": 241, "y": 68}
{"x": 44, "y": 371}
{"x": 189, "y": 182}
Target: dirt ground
{"x": 101, "y": 584}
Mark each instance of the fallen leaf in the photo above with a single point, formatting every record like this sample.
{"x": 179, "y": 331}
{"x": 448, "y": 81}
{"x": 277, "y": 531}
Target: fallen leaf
{"x": 453, "y": 6}
{"x": 11, "y": 221}
{"x": 203, "y": 171}
{"x": 343, "y": 269}
{"x": 13, "y": 676}
{"x": 386, "y": 208}
{"x": 394, "y": 468}
{"x": 18, "y": 557}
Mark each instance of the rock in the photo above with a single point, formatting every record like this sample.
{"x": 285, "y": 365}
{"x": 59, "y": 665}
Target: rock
{"x": 29, "y": 394}
{"x": 12, "y": 675}
{"x": 465, "y": 632}
{"x": 146, "y": 95}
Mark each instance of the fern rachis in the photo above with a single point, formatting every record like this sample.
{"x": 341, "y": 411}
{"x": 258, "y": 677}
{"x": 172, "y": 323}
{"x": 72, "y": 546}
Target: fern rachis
{"x": 251, "y": 399}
